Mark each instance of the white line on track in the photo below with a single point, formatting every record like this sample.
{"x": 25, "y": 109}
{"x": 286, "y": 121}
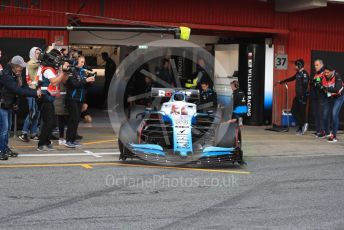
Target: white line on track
{"x": 67, "y": 154}
{"x": 92, "y": 154}
{"x": 297, "y": 156}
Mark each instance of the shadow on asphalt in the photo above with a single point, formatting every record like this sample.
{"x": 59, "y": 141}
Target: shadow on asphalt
{"x": 185, "y": 165}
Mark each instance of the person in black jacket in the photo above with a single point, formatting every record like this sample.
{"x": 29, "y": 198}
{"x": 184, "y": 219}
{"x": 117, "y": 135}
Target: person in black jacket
{"x": 11, "y": 87}
{"x": 76, "y": 91}
{"x": 239, "y": 99}
{"x": 110, "y": 69}
{"x": 300, "y": 101}
{"x": 317, "y": 96}
{"x": 164, "y": 75}
{"x": 208, "y": 97}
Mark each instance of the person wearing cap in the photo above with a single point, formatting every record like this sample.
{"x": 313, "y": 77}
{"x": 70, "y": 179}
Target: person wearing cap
{"x": 10, "y": 87}
{"x": 300, "y": 101}
{"x": 332, "y": 85}
{"x": 32, "y": 75}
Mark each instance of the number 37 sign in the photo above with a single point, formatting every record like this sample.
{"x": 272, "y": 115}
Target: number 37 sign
{"x": 281, "y": 61}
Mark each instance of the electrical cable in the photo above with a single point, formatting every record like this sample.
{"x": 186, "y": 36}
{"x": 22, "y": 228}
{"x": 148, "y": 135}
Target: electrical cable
{"x": 87, "y": 15}
{"x": 114, "y": 39}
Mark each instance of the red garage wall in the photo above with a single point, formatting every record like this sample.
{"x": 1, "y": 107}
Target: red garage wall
{"x": 246, "y": 13}
{"x": 31, "y": 12}
{"x": 319, "y": 29}
{"x": 238, "y": 13}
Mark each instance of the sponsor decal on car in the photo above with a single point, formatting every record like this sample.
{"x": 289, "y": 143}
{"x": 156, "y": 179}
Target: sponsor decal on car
{"x": 182, "y": 133}
{"x": 181, "y": 121}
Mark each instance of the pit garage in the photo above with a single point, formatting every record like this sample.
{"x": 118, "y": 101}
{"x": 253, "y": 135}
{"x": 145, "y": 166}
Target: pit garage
{"x": 247, "y": 57}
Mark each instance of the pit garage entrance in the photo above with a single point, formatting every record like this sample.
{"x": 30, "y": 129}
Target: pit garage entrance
{"x": 245, "y": 56}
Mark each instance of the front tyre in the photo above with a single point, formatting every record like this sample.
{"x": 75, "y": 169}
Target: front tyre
{"x": 122, "y": 151}
{"x": 127, "y": 135}
{"x": 226, "y": 135}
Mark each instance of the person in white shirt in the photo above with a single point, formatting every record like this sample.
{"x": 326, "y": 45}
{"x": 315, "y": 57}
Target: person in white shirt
{"x": 51, "y": 76}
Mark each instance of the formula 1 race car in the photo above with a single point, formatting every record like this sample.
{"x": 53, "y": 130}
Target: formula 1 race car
{"x": 178, "y": 132}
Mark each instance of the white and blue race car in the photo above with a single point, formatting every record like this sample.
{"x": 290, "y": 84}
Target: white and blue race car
{"x": 178, "y": 132}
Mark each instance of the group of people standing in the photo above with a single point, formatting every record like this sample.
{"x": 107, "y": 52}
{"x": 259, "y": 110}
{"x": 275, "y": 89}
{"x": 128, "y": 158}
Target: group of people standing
{"x": 325, "y": 92}
{"x": 52, "y": 88}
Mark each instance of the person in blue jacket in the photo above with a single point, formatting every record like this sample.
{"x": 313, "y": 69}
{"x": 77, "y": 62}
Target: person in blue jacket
{"x": 76, "y": 92}
{"x": 239, "y": 103}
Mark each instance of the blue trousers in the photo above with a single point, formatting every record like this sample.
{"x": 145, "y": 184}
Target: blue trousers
{"x": 332, "y": 109}
{"x": 5, "y": 125}
{"x": 34, "y": 112}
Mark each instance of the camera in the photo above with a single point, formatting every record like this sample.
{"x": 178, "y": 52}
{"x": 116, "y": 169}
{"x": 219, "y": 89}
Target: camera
{"x": 93, "y": 74}
{"x": 65, "y": 59}
{"x": 87, "y": 68}
{"x": 54, "y": 59}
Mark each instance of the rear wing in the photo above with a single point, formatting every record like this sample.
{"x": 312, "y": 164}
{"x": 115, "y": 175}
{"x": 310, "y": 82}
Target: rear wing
{"x": 191, "y": 95}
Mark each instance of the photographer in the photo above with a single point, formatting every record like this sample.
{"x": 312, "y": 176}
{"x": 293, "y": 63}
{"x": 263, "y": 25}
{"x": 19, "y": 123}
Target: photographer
{"x": 76, "y": 89}
{"x": 11, "y": 86}
{"x": 300, "y": 101}
{"x": 51, "y": 77}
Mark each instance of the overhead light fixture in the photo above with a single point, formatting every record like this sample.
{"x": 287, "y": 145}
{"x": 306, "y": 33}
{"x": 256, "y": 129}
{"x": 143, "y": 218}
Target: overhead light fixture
{"x": 143, "y": 47}
{"x": 335, "y": 1}
{"x": 297, "y": 5}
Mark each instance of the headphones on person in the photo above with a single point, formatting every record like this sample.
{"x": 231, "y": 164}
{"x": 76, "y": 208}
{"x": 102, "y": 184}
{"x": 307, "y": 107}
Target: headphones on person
{"x": 300, "y": 63}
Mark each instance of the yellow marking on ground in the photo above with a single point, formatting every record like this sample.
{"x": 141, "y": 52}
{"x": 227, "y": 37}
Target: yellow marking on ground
{"x": 24, "y": 146}
{"x": 175, "y": 167}
{"x": 98, "y": 142}
{"x": 86, "y": 166}
{"x": 90, "y": 165}
{"x": 38, "y": 165}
